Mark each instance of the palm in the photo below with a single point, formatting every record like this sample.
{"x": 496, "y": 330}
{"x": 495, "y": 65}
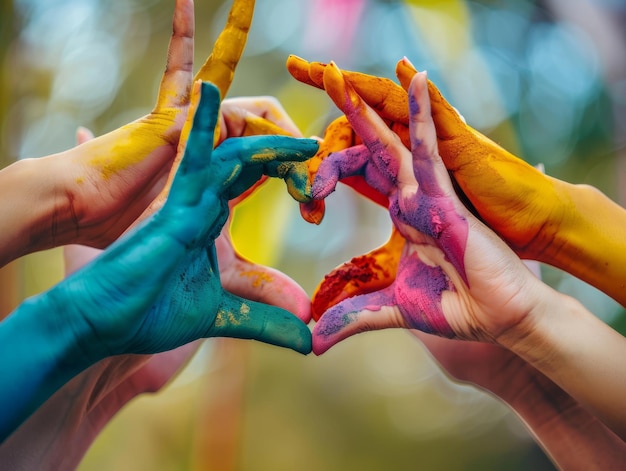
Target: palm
{"x": 445, "y": 278}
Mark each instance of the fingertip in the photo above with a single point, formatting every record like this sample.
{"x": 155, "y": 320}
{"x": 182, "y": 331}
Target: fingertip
{"x": 336, "y": 86}
{"x": 308, "y": 146}
{"x": 240, "y": 318}
{"x": 320, "y": 347}
{"x": 83, "y": 135}
{"x": 305, "y": 344}
{"x": 323, "y": 186}
{"x": 209, "y": 90}
{"x": 419, "y": 100}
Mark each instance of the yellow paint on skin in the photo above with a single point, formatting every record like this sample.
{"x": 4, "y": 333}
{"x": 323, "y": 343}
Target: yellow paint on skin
{"x": 220, "y": 319}
{"x": 234, "y": 174}
{"x": 263, "y": 156}
{"x": 131, "y": 144}
{"x": 259, "y": 277}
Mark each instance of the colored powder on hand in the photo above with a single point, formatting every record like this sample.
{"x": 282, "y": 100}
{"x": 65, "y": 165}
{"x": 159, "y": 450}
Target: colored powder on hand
{"x": 418, "y": 294}
{"x": 258, "y": 277}
{"x": 347, "y": 280}
{"x": 436, "y": 217}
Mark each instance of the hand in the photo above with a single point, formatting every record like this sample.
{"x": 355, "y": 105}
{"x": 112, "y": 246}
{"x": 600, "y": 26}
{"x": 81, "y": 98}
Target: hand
{"x": 59, "y": 433}
{"x": 191, "y": 220}
{"x": 92, "y": 193}
{"x": 158, "y": 287}
{"x": 455, "y": 278}
{"x": 572, "y": 227}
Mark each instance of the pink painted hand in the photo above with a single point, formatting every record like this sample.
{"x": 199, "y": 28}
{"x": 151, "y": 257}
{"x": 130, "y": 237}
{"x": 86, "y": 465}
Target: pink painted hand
{"x": 456, "y": 278}
{"x": 445, "y": 279}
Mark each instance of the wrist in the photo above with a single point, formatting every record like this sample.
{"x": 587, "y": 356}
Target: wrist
{"x": 36, "y": 210}
{"x": 532, "y": 338}
{"x": 592, "y": 216}
{"x": 54, "y": 316}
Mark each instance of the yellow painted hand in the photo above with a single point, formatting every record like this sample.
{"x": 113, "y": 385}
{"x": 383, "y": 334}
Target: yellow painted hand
{"x": 113, "y": 178}
{"x": 219, "y": 69}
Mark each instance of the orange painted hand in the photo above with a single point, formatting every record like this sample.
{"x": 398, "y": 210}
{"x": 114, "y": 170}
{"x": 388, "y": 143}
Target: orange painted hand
{"x": 572, "y": 227}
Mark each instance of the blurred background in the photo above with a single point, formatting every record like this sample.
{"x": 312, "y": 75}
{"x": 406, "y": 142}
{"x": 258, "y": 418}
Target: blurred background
{"x": 545, "y": 79}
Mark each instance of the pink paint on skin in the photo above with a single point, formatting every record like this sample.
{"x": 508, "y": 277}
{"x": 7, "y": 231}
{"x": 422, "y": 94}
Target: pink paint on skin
{"x": 416, "y": 292}
{"x": 418, "y": 295}
{"x": 436, "y": 217}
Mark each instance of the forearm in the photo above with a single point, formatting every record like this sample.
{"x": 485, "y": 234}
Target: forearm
{"x": 573, "y": 437}
{"x": 59, "y": 433}
{"x": 577, "y": 351}
{"x": 33, "y": 207}
{"x": 40, "y": 355}
{"x": 590, "y": 240}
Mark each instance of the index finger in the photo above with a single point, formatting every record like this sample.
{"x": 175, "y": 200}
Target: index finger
{"x": 385, "y": 146}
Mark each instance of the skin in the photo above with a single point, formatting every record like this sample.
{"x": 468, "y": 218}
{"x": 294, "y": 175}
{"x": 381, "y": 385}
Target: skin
{"x": 101, "y": 187}
{"x": 61, "y": 430}
{"x": 539, "y": 217}
{"x": 570, "y": 436}
{"x": 158, "y": 287}
{"x": 491, "y": 296}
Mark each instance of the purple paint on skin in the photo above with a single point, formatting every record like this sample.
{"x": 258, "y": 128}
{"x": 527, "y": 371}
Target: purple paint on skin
{"x": 414, "y": 106}
{"x": 416, "y": 292}
{"x": 336, "y": 166}
{"x": 385, "y": 163}
{"x": 353, "y": 161}
{"x": 359, "y": 116}
{"x": 347, "y": 312}
{"x": 437, "y": 218}
{"x": 418, "y": 295}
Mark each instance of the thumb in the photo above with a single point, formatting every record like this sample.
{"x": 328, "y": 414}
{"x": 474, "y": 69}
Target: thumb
{"x": 373, "y": 311}
{"x": 266, "y": 285}
{"x": 244, "y": 319}
{"x": 363, "y": 274}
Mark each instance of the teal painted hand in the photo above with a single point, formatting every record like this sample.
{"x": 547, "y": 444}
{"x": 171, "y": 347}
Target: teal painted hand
{"x": 156, "y": 288}
{"x": 160, "y": 288}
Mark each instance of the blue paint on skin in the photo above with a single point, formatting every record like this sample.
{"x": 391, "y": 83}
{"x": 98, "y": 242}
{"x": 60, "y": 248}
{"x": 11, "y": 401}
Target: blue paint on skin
{"x": 154, "y": 289}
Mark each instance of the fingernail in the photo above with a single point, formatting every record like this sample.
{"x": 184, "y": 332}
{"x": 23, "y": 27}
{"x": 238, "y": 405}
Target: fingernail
{"x": 338, "y": 88}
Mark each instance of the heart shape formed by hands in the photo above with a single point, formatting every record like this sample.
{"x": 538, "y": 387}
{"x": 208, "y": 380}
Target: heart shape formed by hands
{"x": 539, "y": 217}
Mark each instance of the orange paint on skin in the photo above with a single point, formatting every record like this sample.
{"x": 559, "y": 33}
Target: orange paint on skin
{"x": 337, "y": 137}
{"x": 572, "y": 227}
{"x": 364, "y": 274}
